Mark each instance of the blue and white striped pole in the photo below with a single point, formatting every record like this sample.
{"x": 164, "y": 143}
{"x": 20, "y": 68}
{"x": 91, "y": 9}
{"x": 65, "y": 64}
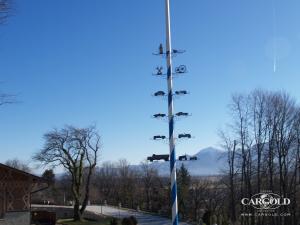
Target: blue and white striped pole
{"x": 171, "y": 118}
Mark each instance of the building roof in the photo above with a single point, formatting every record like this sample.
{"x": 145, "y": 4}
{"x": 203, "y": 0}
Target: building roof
{"x": 35, "y": 179}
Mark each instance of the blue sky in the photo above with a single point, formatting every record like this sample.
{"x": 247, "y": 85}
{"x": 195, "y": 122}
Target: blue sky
{"x": 90, "y": 62}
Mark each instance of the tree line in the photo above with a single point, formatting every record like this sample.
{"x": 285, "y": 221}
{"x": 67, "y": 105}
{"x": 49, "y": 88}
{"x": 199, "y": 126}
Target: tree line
{"x": 120, "y": 184}
{"x": 263, "y": 152}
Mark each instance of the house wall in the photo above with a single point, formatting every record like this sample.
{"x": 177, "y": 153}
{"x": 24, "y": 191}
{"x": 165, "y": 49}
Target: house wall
{"x": 15, "y": 190}
{"x": 16, "y": 218}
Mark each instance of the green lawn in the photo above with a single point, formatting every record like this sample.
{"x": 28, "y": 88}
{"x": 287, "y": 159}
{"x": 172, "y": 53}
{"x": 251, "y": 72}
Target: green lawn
{"x": 104, "y": 221}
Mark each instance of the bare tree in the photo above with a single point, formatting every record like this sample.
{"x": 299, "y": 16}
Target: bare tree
{"x": 106, "y": 183}
{"x": 76, "y": 149}
{"x": 18, "y": 164}
{"x": 7, "y": 99}
{"x": 126, "y": 183}
{"x": 148, "y": 176}
{"x": 240, "y": 110}
{"x": 258, "y": 103}
{"x": 197, "y": 198}
{"x": 4, "y": 10}
{"x": 230, "y": 147}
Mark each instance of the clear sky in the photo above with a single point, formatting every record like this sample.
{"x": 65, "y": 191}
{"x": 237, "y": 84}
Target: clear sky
{"x": 82, "y": 62}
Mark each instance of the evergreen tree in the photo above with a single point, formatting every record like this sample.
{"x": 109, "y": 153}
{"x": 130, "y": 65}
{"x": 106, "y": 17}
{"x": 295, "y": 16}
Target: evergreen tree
{"x": 183, "y": 184}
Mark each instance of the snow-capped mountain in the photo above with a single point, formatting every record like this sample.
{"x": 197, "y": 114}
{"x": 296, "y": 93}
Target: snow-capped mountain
{"x": 210, "y": 161}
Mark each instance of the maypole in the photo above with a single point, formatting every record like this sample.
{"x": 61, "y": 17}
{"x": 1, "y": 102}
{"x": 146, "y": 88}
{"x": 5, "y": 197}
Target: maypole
{"x": 171, "y": 117}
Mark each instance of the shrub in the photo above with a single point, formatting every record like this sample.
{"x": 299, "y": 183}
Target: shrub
{"x": 127, "y": 221}
{"x": 133, "y": 220}
{"x": 113, "y": 221}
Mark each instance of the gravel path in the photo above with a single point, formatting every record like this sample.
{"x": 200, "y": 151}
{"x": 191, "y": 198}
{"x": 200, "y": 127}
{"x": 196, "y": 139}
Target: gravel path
{"x": 143, "y": 218}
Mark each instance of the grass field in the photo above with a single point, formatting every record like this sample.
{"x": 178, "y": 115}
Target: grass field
{"x": 104, "y": 221}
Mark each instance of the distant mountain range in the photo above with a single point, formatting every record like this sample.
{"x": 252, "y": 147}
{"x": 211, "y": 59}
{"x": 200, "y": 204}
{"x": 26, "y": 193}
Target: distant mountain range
{"x": 210, "y": 161}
